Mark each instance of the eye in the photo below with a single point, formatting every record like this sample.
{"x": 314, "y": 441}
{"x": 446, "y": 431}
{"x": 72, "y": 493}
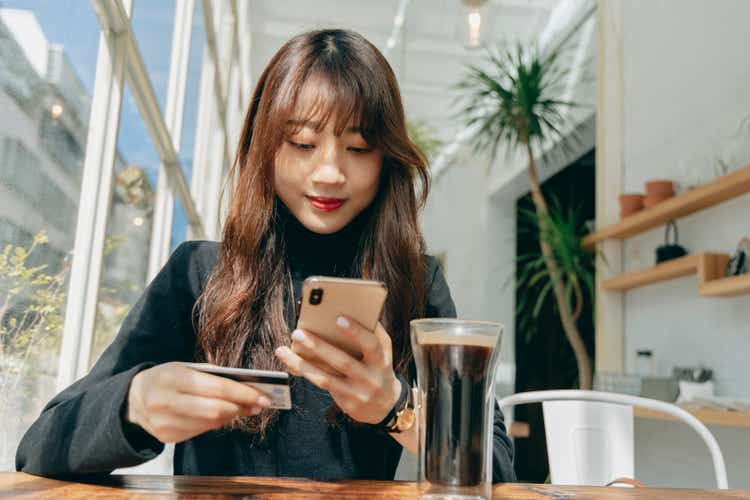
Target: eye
{"x": 302, "y": 146}
{"x": 360, "y": 150}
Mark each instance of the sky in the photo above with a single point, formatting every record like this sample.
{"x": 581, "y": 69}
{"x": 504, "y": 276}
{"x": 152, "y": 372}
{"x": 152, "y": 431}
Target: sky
{"x": 74, "y": 25}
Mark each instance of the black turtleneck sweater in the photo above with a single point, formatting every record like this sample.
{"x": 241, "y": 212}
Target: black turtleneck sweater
{"x": 82, "y": 431}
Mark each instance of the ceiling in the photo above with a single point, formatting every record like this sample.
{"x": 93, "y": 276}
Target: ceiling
{"x": 430, "y": 54}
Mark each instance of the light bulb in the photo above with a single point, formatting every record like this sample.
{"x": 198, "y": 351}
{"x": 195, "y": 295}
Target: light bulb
{"x": 56, "y": 110}
{"x": 475, "y": 23}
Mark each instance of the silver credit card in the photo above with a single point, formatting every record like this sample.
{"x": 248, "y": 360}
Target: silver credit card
{"x": 272, "y": 383}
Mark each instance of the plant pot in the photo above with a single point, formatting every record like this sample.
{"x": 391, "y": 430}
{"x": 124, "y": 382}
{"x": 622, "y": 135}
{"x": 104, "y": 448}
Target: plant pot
{"x": 630, "y": 204}
{"x": 652, "y": 199}
{"x": 662, "y": 188}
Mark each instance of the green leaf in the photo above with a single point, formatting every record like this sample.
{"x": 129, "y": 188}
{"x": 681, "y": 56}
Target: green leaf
{"x": 514, "y": 98}
{"x": 540, "y": 300}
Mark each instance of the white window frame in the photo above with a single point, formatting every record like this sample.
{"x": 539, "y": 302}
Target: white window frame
{"x": 93, "y": 207}
{"x": 120, "y": 57}
{"x": 174, "y": 114}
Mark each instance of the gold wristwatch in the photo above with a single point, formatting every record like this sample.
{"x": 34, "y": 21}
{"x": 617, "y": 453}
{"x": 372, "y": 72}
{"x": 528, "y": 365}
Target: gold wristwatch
{"x": 403, "y": 412}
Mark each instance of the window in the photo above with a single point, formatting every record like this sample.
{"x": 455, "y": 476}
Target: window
{"x": 192, "y": 92}
{"x": 51, "y": 90}
{"x": 47, "y": 63}
{"x": 189, "y": 120}
{"x": 153, "y": 24}
{"x": 129, "y": 225}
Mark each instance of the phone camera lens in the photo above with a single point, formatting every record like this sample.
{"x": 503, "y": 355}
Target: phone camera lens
{"x": 316, "y": 296}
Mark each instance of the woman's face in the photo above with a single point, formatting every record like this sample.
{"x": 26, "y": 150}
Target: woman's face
{"x": 325, "y": 180}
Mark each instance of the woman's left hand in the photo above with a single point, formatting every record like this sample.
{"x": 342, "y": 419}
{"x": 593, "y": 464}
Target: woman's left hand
{"x": 365, "y": 389}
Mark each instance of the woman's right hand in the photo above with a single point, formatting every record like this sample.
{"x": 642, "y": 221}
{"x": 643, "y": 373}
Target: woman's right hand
{"x": 174, "y": 403}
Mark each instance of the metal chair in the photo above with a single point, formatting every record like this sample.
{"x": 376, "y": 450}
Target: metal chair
{"x": 590, "y": 434}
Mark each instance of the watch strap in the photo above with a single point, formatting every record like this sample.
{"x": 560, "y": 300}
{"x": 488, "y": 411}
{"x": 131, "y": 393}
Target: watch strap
{"x": 388, "y": 423}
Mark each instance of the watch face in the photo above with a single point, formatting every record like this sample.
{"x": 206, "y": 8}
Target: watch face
{"x": 405, "y": 420}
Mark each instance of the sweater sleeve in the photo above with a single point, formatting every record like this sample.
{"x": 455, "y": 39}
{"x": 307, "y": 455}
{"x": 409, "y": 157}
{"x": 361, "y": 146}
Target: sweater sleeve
{"x": 440, "y": 305}
{"x": 81, "y": 430}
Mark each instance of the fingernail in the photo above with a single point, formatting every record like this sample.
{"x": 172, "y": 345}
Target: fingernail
{"x": 278, "y": 351}
{"x": 255, "y": 411}
{"x": 264, "y": 401}
{"x": 342, "y": 322}
{"x": 299, "y": 336}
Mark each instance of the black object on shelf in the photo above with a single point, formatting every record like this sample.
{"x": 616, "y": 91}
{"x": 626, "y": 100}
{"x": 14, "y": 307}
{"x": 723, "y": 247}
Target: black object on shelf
{"x": 669, "y": 251}
{"x": 739, "y": 263}
{"x": 692, "y": 374}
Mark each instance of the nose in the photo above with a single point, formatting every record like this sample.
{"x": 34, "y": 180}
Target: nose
{"x": 328, "y": 168}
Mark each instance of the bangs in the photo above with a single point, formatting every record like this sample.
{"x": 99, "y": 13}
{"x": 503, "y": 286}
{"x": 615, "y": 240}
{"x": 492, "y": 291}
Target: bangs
{"x": 329, "y": 96}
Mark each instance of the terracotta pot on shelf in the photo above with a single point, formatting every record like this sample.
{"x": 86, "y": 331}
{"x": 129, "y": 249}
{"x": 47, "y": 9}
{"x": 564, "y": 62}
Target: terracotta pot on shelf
{"x": 660, "y": 187}
{"x": 653, "y": 199}
{"x": 630, "y": 204}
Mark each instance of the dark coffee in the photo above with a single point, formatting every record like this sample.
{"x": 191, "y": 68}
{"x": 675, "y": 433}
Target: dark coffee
{"x": 456, "y": 381}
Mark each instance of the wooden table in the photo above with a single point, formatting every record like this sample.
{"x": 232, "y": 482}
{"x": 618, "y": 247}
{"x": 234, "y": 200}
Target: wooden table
{"x": 20, "y": 485}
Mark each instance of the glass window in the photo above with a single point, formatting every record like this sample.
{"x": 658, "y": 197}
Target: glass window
{"x": 192, "y": 92}
{"x": 189, "y": 120}
{"x": 48, "y": 56}
{"x": 129, "y": 223}
{"x": 153, "y": 23}
{"x": 179, "y": 225}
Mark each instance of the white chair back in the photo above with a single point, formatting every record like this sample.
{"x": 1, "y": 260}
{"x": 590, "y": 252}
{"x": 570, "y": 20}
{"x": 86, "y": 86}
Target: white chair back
{"x": 585, "y": 452}
{"x": 588, "y": 443}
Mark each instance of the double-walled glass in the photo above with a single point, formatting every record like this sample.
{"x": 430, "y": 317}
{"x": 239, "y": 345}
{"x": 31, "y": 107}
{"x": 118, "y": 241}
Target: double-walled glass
{"x": 456, "y": 363}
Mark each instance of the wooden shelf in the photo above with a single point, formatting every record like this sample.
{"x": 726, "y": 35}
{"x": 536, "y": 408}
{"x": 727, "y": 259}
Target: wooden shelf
{"x": 708, "y": 266}
{"x": 726, "y": 287}
{"x": 715, "y": 192}
{"x": 708, "y": 416}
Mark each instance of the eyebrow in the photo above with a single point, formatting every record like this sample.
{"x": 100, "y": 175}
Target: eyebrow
{"x": 316, "y": 125}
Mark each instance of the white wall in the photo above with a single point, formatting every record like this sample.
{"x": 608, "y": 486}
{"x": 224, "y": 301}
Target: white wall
{"x": 478, "y": 237}
{"x": 686, "y": 89}
{"x": 471, "y": 212}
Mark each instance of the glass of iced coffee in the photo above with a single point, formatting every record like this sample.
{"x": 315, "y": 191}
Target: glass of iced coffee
{"x": 456, "y": 363}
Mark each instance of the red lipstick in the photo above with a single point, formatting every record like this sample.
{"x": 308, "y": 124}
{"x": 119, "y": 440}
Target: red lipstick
{"x": 326, "y": 204}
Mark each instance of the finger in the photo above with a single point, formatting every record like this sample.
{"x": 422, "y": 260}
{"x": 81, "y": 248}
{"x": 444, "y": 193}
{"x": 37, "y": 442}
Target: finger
{"x": 302, "y": 368}
{"x": 385, "y": 343}
{"x": 190, "y": 425}
{"x": 170, "y": 429}
{"x": 212, "y": 386}
{"x": 309, "y": 345}
{"x": 200, "y": 407}
{"x": 372, "y": 350}
{"x": 300, "y": 350}
{"x": 173, "y": 429}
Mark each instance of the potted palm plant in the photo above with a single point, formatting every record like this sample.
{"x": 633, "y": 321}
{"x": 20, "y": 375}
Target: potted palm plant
{"x": 513, "y": 101}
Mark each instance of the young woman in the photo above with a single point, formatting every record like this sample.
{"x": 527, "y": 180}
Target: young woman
{"x": 326, "y": 185}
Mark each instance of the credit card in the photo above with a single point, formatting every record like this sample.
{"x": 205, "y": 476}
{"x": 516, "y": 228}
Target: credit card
{"x": 273, "y": 384}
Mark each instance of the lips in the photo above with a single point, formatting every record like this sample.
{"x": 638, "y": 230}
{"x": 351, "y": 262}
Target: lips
{"x": 326, "y": 204}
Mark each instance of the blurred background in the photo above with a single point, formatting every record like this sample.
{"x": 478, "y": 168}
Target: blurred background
{"x": 121, "y": 117}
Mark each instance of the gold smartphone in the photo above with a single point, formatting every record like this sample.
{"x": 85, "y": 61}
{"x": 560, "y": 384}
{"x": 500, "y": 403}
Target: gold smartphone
{"x": 324, "y": 299}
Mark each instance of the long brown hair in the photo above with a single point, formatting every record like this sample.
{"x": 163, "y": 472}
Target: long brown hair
{"x": 241, "y": 313}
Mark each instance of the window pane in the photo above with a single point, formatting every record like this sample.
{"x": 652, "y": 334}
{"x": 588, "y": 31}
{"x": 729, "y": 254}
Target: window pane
{"x": 179, "y": 225}
{"x": 129, "y": 223}
{"x": 189, "y": 120}
{"x": 153, "y": 23}
{"x": 192, "y": 92}
{"x": 48, "y": 56}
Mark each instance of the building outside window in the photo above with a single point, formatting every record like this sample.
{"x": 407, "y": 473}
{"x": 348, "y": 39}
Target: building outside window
{"x": 49, "y": 62}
